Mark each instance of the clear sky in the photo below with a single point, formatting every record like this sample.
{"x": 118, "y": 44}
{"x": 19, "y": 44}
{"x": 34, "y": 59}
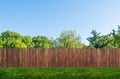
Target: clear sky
{"x": 50, "y": 17}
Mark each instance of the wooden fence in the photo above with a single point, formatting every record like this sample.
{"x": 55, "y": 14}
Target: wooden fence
{"x": 61, "y": 57}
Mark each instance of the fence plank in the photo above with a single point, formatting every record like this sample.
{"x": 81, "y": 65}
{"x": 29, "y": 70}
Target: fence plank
{"x": 59, "y": 57}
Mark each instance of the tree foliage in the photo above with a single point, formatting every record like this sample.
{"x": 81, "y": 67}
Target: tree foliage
{"x": 68, "y": 39}
{"x": 42, "y": 42}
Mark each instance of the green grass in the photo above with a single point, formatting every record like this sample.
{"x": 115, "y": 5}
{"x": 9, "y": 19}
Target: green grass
{"x": 59, "y": 73}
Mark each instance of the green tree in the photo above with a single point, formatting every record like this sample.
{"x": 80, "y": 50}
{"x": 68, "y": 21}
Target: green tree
{"x": 11, "y": 34}
{"x": 13, "y": 43}
{"x": 116, "y": 37}
{"x": 12, "y": 40}
{"x": 27, "y": 40}
{"x": 68, "y": 39}
{"x": 100, "y": 41}
{"x": 42, "y": 42}
{"x": 1, "y": 42}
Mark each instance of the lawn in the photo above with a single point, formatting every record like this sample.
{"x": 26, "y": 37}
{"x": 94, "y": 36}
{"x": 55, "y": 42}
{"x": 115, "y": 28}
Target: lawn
{"x": 59, "y": 73}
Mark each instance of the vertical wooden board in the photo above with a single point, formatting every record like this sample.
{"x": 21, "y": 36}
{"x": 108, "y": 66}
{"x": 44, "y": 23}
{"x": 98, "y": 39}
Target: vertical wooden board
{"x": 35, "y": 58}
{"x": 71, "y": 58}
{"x": 76, "y": 55}
{"x": 107, "y": 57}
{"x": 98, "y": 58}
{"x": 62, "y": 57}
{"x": 0, "y": 57}
{"x": 94, "y": 54}
{"x": 10, "y": 53}
{"x": 11, "y": 57}
{"x": 91, "y": 57}
{"x": 5, "y": 56}
{"x": 48, "y": 58}
{"x": 79, "y": 57}
{"x": 21, "y": 57}
{"x": 119, "y": 57}
{"x": 81, "y": 54}
{"x": 112, "y": 57}
{"x": 37, "y": 54}
{"x": 110, "y": 63}
{"x": 56, "y": 57}
{"x": 73, "y": 55}
{"x": 85, "y": 59}
{"x": 59, "y": 59}
{"x": 25, "y": 57}
{"x": 52, "y": 58}
{"x": 28, "y": 57}
{"x": 88, "y": 58}
{"x": 103, "y": 57}
{"x": 41, "y": 52}
{"x": 16, "y": 51}
{"x": 60, "y": 53}
{"x": 31, "y": 58}
{"x": 16, "y": 58}
{"x": 34, "y": 53}
{"x": 39, "y": 58}
{"x": 116, "y": 57}
{"x": 66, "y": 57}
{"x": 29, "y": 61}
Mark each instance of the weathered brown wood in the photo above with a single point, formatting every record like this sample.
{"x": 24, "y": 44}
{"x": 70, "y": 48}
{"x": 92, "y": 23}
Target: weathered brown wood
{"x": 59, "y": 57}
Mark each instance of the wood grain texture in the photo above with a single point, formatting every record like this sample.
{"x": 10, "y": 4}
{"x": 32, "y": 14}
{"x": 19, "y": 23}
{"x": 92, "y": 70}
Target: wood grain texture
{"x": 59, "y": 57}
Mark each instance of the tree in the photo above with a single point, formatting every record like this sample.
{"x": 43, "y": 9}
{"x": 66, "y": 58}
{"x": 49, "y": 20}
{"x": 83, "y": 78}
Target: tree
{"x": 27, "y": 40}
{"x": 1, "y": 42}
{"x": 12, "y": 40}
{"x": 116, "y": 37}
{"x": 97, "y": 41}
{"x": 11, "y": 34}
{"x": 13, "y": 43}
{"x": 42, "y": 42}
{"x": 68, "y": 39}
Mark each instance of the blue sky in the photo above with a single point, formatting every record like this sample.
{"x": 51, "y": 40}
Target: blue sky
{"x": 50, "y": 17}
